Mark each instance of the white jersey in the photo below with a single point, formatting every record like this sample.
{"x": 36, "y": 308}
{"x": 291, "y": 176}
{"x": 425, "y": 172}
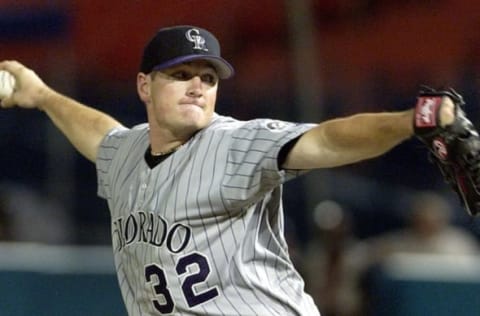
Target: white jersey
{"x": 202, "y": 232}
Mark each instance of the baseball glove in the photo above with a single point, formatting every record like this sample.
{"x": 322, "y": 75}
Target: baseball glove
{"x": 454, "y": 148}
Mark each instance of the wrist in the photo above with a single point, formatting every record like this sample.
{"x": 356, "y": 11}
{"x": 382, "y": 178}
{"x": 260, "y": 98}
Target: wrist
{"x": 45, "y": 97}
{"x": 409, "y": 117}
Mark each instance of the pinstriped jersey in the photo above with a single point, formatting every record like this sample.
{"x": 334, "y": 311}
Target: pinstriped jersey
{"x": 201, "y": 233}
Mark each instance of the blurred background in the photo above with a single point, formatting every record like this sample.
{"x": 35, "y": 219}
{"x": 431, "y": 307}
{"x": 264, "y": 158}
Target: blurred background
{"x": 302, "y": 60}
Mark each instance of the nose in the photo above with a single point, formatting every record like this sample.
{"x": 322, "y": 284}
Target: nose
{"x": 195, "y": 87}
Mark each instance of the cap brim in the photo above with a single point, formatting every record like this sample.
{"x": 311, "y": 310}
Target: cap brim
{"x": 223, "y": 68}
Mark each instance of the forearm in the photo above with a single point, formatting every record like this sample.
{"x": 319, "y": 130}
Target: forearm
{"x": 84, "y": 126}
{"x": 368, "y": 135}
{"x": 347, "y": 140}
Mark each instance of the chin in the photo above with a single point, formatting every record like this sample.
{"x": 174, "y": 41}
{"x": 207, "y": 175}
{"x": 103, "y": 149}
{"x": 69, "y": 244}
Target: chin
{"x": 197, "y": 119}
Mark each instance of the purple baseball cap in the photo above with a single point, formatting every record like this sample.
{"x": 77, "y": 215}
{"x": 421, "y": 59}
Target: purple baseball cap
{"x": 178, "y": 44}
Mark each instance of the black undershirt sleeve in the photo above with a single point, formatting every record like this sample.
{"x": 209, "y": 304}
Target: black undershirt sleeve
{"x": 282, "y": 155}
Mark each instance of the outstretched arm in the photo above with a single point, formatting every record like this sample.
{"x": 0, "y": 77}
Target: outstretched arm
{"x": 84, "y": 126}
{"x": 355, "y": 138}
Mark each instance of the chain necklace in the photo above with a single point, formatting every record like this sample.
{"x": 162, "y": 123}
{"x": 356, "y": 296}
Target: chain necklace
{"x": 163, "y": 153}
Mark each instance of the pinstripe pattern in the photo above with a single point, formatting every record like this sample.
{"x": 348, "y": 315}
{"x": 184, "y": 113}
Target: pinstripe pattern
{"x": 209, "y": 218}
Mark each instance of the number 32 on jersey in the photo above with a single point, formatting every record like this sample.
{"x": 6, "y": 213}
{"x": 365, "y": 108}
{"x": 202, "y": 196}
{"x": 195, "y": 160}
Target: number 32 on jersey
{"x": 163, "y": 301}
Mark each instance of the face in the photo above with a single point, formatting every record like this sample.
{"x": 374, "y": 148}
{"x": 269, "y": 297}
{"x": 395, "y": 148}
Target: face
{"x": 180, "y": 100}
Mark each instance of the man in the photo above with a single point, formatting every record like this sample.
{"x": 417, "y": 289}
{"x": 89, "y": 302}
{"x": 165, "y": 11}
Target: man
{"x": 194, "y": 196}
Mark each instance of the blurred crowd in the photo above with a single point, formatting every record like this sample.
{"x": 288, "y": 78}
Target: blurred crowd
{"x": 340, "y": 268}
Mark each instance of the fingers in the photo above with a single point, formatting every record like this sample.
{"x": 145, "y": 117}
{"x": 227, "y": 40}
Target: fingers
{"x": 12, "y": 66}
{"x": 29, "y": 88}
{"x": 8, "y": 102}
{"x": 447, "y": 112}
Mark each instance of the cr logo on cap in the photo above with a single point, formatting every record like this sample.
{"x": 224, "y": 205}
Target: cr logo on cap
{"x": 193, "y": 35}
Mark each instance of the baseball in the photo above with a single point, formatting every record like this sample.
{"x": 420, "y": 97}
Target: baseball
{"x": 7, "y": 83}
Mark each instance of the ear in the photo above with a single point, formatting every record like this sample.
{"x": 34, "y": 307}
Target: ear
{"x": 143, "y": 87}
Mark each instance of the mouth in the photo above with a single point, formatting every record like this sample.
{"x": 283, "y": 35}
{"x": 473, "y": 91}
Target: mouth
{"x": 192, "y": 102}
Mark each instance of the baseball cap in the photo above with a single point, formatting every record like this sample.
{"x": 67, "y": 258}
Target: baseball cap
{"x": 178, "y": 44}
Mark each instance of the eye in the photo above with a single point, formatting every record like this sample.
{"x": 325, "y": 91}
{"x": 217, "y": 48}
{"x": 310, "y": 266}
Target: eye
{"x": 181, "y": 75}
{"x": 209, "y": 78}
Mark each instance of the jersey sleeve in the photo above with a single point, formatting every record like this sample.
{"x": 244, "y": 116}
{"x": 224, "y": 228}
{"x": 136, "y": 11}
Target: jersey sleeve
{"x": 252, "y": 166}
{"x": 106, "y": 153}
